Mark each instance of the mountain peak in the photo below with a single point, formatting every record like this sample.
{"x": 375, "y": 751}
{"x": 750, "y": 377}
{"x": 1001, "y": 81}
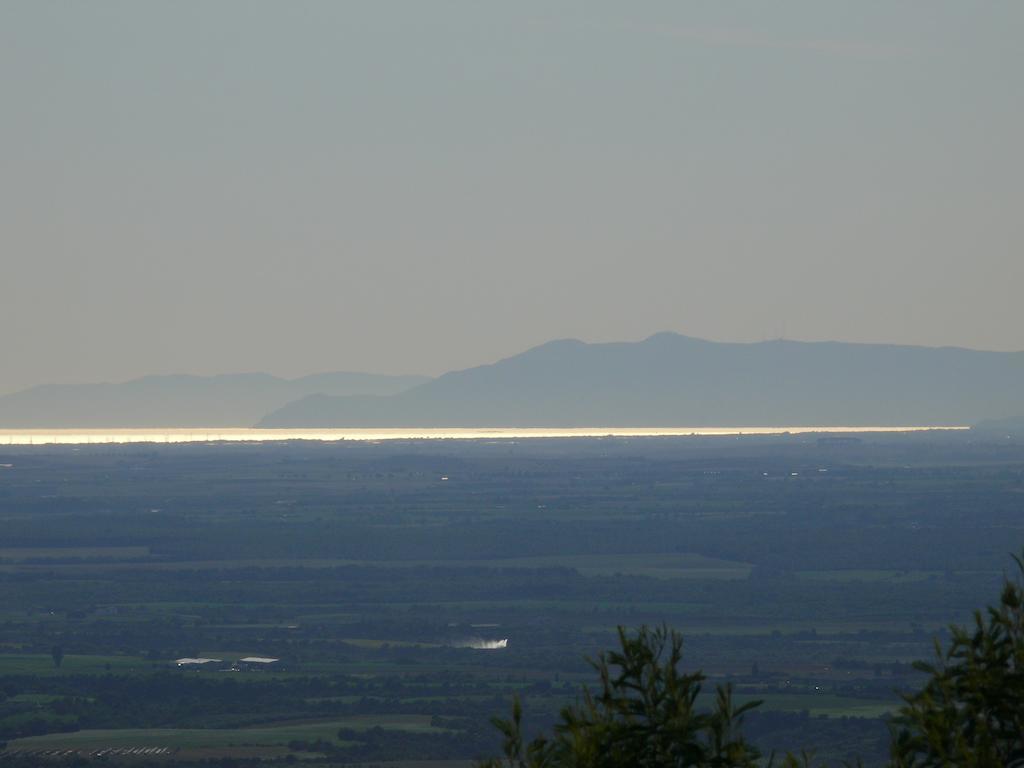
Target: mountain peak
{"x": 671, "y": 380}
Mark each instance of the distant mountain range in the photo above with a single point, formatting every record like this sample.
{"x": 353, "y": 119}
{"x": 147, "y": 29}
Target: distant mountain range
{"x": 233, "y": 400}
{"x": 672, "y": 380}
{"x": 666, "y": 380}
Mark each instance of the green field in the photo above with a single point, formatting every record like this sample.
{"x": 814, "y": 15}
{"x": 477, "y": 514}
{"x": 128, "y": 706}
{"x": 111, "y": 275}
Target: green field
{"x": 813, "y": 703}
{"x": 42, "y": 664}
{"x": 195, "y": 738}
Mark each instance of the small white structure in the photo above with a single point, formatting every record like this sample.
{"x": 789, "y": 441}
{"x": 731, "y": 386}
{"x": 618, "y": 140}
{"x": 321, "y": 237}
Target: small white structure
{"x": 252, "y": 663}
{"x": 187, "y": 662}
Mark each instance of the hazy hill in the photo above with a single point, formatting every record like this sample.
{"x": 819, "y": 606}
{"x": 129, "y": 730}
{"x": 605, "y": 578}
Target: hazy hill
{"x": 672, "y": 380}
{"x": 233, "y": 400}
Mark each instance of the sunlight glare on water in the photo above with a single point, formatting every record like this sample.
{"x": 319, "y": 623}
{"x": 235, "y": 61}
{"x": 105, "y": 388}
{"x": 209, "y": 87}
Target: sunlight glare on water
{"x": 221, "y": 434}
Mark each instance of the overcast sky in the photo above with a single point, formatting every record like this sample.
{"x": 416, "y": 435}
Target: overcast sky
{"x": 411, "y": 187}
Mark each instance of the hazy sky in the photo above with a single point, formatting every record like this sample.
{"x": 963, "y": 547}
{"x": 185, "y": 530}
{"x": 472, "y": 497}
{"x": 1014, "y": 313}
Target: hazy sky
{"x": 416, "y": 186}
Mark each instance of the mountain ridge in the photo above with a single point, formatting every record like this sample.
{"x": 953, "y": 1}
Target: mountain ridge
{"x": 673, "y": 380}
{"x": 180, "y": 400}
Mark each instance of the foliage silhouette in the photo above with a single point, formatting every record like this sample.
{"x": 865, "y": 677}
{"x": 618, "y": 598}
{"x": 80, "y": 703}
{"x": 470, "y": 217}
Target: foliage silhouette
{"x": 643, "y": 716}
{"x": 971, "y": 711}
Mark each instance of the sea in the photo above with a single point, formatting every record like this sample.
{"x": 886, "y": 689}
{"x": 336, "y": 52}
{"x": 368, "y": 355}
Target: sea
{"x": 251, "y": 435}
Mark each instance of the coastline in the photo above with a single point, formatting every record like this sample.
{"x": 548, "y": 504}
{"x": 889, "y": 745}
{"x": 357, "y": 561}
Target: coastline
{"x": 102, "y": 436}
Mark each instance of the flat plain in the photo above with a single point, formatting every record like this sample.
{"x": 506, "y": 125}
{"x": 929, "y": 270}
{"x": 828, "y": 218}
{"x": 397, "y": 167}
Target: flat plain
{"x": 808, "y": 573}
